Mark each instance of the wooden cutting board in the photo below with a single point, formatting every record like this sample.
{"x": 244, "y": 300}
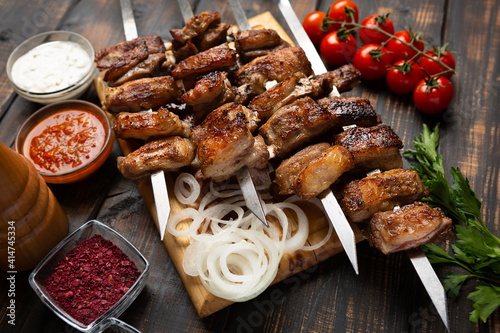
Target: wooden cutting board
{"x": 291, "y": 263}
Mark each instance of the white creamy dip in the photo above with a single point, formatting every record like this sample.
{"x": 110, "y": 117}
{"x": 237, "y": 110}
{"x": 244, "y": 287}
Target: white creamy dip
{"x": 50, "y": 67}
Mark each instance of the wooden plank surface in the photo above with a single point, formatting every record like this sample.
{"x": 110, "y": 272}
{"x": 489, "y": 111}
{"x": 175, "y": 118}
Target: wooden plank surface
{"x": 387, "y": 296}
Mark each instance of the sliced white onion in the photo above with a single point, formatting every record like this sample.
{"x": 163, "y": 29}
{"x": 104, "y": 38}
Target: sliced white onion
{"x": 318, "y": 203}
{"x": 185, "y": 214}
{"x": 235, "y": 257}
{"x": 183, "y": 194}
{"x": 295, "y": 242}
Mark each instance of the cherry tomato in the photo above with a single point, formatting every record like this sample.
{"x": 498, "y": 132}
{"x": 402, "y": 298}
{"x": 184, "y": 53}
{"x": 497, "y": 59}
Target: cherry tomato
{"x": 433, "y": 67}
{"x": 372, "y": 61}
{"x": 312, "y": 25}
{"x": 403, "y": 76}
{"x": 400, "y": 50}
{"x": 338, "y": 11}
{"x": 373, "y": 21}
{"x": 337, "y": 51}
{"x": 433, "y": 95}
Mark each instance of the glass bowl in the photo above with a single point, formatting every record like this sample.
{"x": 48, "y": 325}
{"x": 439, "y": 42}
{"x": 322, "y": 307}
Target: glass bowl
{"x": 72, "y": 91}
{"x": 109, "y": 318}
{"x": 85, "y": 169}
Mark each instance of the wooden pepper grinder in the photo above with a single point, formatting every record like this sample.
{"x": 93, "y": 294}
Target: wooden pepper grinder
{"x": 31, "y": 220}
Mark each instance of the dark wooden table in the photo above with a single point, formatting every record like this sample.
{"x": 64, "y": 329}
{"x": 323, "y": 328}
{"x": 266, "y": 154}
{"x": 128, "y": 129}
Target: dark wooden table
{"x": 387, "y": 296}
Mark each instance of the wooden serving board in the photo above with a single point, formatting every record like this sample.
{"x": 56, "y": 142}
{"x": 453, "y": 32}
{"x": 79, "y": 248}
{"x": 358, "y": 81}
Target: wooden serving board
{"x": 291, "y": 263}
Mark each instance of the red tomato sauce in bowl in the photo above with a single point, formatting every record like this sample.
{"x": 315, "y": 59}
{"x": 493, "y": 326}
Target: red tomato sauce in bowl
{"x": 66, "y": 141}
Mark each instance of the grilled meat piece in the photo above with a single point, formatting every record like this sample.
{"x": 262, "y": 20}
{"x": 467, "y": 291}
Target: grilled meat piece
{"x": 322, "y": 171}
{"x": 196, "y": 26}
{"x": 408, "y": 227}
{"x": 153, "y": 65}
{"x": 291, "y": 167}
{"x": 169, "y": 154}
{"x": 376, "y": 147}
{"x": 215, "y": 59}
{"x": 380, "y": 192}
{"x": 344, "y": 78}
{"x": 213, "y": 36}
{"x": 277, "y": 65}
{"x": 149, "y": 124}
{"x": 350, "y": 111}
{"x": 295, "y": 124}
{"x": 251, "y": 44}
{"x": 209, "y": 92}
{"x": 112, "y": 55}
{"x": 127, "y": 62}
{"x": 229, "y": 149}
{"x": 298, "y": 85}
{"x": 141, "y": 94}
{"x": 285, "y": 92}
{"x": 301, "y": 121}
{"x": 222, "y": 117}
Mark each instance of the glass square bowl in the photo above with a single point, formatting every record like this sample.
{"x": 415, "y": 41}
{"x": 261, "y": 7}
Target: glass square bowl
{"x": 109, "y": 318}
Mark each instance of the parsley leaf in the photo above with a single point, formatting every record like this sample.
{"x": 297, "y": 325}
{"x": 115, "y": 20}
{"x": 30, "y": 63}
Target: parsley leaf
{"x": 486, "y": 299}
{"x": 476, "y": 249}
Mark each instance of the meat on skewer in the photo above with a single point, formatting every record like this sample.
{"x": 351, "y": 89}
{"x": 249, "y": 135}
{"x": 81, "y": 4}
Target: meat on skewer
{"x": 408, "y": 227}
{"x": 291, "y": 167}
{"x": 322, "y": 171}
{"x": 344, "y": 78}
{"x": 209, "y": 92}
{"x": 277, "y": 65}
{"x": 222, "y": 117}
{"x": 141, "y": 94}
{"x": 155, "y": 64}
{"x": 362, "y": 198}
{"x": 220, "y": 58}
{"x": 131, "y": 60}
{"x": 145, "y": 125}
{"x": 229, "y": 149}
{"x": 123, "y": 51}
{"x": 201, "y": 32}
{"x": 251, "y": 44}
{"x": 298, "y": 85}
{"x": 376, "y": 147}
{"x": 168, "y": 154}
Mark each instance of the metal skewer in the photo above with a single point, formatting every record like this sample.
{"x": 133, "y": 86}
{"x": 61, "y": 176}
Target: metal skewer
{"x": 158, "y": 183}
{"x": 250, "y": 194}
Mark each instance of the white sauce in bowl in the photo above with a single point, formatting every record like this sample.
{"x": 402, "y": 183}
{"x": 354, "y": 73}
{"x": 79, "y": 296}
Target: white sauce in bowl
{"x": 51, "y": 67}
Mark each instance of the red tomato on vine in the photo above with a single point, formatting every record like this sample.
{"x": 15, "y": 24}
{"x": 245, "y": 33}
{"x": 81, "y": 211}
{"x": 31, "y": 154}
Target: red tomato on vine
{"x": 338, "y": 49}
{"x": 383, "y": 22}
{"x": 433, "y": 95}
{"x": 400, "y": 50}
{"x": 432, "y": 67}
{"x": 372, "y": 61}
{"x": 312, "y": 25}
{"x": 341, "y": 11}
{"x": 403, "y": 76}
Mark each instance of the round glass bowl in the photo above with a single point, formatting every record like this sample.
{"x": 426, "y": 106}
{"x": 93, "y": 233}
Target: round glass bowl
{"x": 72, "y": 91}
{"x": 108, "y": 319}
{"x": 34, "y": 125}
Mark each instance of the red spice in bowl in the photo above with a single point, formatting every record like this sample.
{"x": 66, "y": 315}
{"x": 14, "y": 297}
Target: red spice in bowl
{"x": 122, "y": 261}
{"x": 91, "y": 279}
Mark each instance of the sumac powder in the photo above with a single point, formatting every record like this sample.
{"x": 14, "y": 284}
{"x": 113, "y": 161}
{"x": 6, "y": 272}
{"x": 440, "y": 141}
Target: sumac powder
{"x": 91, "y": 278}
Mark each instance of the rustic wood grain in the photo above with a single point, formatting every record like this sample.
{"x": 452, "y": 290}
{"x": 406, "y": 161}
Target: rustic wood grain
{"x": 387, "y": 296}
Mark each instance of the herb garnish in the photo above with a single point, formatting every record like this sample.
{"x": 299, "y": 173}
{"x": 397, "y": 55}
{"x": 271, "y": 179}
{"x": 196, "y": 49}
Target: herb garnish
{"x": 476, "y": 249}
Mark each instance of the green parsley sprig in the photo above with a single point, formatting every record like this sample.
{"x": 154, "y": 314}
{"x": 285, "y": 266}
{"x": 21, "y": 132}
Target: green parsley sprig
{"x": 476, "y": 249}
